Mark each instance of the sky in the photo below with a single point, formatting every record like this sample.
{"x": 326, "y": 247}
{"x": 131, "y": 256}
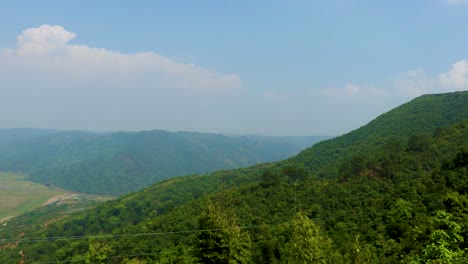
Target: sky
{"x": 238, "y": 67}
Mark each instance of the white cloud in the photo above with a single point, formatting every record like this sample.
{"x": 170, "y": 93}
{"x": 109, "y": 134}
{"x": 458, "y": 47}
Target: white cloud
{"x": 43, "y": 39}
{"x": 457, "y": 77}
{"x": 46, "y": 50}
{"x": 344, "y": 107}
{"x": 48, "y": 82}
{"x": 361, "y": 100}
{"x": 413, "y": 83}
{"x": 354, "y": 92}
{"x": 417, "y": 82}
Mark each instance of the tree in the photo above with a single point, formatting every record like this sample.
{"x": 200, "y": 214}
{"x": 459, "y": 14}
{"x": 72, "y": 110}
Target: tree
{"x": 306, "y": 243}
{"x": 295, "y": 172}
{"x": 270, "y": 178}
{"x": 445, "y": 240}
{"x": 419, "y": 142}
{"x": 269, "y": 249}
{"x": 220, "y": 240}
{"x": 362, "y": 253}
{"x": 353, "y": 166}
{"x": 97, "y": 253}
{"x": 178, "y": 256}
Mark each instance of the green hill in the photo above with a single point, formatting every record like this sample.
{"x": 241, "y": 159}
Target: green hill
{"x": 389, "y": 198}
{"x": 420, "y": 116}
{"x": 117, "y": 163}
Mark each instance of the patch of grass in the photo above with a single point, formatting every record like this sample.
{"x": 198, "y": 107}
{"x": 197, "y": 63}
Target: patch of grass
{"x": 18, "y": 195}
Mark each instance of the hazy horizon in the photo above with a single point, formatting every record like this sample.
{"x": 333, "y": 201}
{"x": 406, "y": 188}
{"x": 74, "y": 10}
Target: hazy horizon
{"x": 243, "y": 67}
{"x": 157, "y": 129}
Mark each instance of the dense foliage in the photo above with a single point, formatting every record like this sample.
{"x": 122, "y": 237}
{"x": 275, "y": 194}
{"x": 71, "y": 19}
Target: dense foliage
{"x": 117, "y": 163}
{"x": 421, "y": 115}
{"x": 402, "y": 200}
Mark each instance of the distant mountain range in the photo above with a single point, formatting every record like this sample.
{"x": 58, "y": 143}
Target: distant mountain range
{"x": 120, "y": 162}
{"x": 393, "y": 191}
{"x": 15, "y": 134}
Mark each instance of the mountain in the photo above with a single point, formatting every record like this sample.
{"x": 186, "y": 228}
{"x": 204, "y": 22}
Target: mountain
{"x": 423, "y": 115}
{"x": 389, "y": 197}
{"x": 116, "y": 163}
{"x": 302, "y": 142}
{"x": 14, "y": 134}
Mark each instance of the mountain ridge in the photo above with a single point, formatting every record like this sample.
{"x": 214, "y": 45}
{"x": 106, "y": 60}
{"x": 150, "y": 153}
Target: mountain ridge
{"x": 403, "y": 121}
{"x": 119, "y": 162}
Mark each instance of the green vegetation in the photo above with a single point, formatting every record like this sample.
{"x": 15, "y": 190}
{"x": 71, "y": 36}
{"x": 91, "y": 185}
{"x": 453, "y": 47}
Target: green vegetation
{"x": 422, "y": 115}
{"x": 387, "y": 198}
{"x": 117, "y": 163}
{"x": 17, "y": 195}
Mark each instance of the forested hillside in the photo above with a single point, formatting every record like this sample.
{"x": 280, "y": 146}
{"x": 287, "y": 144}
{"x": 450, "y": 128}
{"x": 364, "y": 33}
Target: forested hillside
{"x": 117, "y": 163}
{"x": 417, "y": 117}
{"x": 392, "y": 199}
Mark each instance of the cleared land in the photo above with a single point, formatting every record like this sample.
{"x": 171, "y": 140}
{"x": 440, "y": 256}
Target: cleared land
{"x": 18, "y": 195}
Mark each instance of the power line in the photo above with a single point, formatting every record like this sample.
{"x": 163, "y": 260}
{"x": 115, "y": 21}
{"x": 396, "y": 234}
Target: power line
{"x": 138, "y": 255}
{"x": 104, "y": 236}
{"x": 58, "y": 238}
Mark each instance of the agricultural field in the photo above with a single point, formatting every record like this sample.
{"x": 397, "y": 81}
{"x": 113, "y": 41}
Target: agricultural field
{"x": 18, "y": 195}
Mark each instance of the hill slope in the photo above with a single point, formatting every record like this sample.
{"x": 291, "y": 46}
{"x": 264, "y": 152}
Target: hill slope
{"x": 405, "y": 202}
{"x": 420, "y": 116}
{"x": 116, "y": 163}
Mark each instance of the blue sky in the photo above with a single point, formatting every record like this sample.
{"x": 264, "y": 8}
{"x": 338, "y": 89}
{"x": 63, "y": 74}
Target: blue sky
{"x": 249, "y": 67}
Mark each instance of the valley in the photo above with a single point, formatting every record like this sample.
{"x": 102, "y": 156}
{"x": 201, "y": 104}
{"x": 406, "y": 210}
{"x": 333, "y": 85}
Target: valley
{"x": 17, "y": 195}
{"x": 393, "y": 191}
{"x": 116, "y": 163}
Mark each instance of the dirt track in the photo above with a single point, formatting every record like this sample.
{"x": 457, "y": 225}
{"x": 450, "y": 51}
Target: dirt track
{"x": 59, "y": 198}
{"x": 5, "y": 219}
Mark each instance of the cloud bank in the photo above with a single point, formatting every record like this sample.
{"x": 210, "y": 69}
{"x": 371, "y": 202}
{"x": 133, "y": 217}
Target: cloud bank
{"x": 409, "y": 84}
{"x": 46, "y": 49}
{"x": 457, "y": 77}
{"x": 418, "y": 82}
{"x": 47, "y": 81}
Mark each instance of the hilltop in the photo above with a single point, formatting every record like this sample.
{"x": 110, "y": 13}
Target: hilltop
{"x": 422, "y": 115}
